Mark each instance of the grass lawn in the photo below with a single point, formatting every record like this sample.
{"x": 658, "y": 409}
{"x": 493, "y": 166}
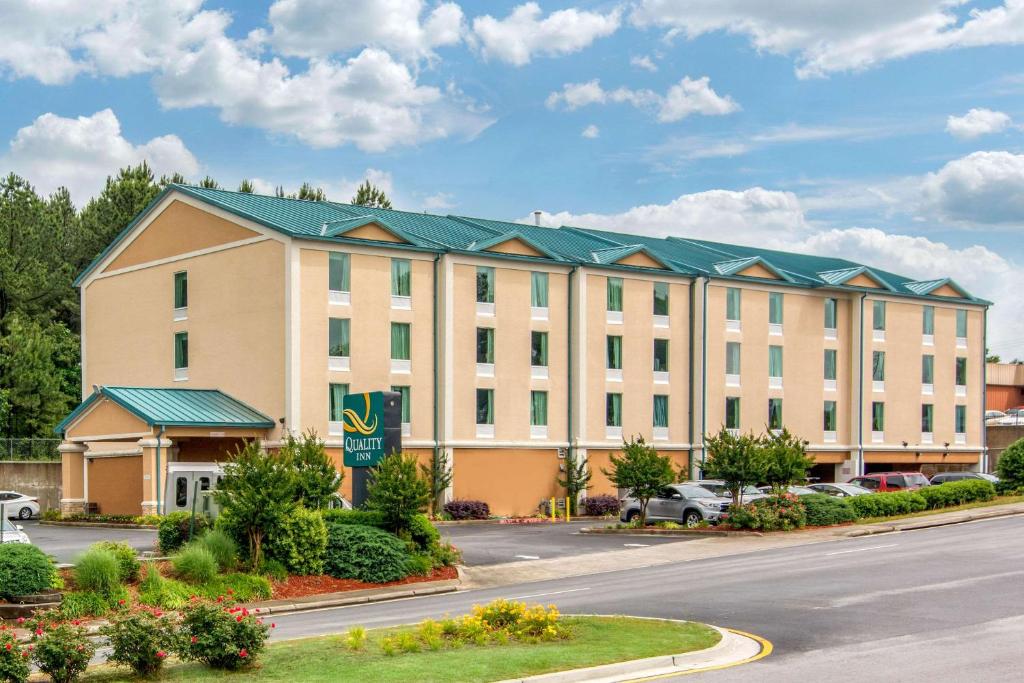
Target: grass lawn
{"x": 597, "y": 640}
{"x": 999, "y": 500}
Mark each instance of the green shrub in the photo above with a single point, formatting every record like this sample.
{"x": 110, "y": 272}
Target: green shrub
{"x": 174, "y": 529}
{"x": 445, "y": 555}
{"x": 824, "y": 510}
{"x": 775, "y": 513}
{"x": 957, "y": 493}
{"x": 79, "y": 604}
{"x": 242, "y": 587}
{"x": 97, "y": 570}
{"x": 219, "y": 636}
{"x": 274, "y": 569}
{"x": 365, "y": 553}
{"x": 62, "y": 652}
{"x": 360, "y": 517}
{"x": 51, "y": 515}
{"x": 423, "y": 533}
{"x": 127, "y": 559}
{"x": 888, "y": 504}
{"x": 194, "y": 563}
{"x": 24, "y": 569}
{"x": 14, "y": 666}
{"x": 140, "y": 640}
{"x": 419, "y": 564}
{"x": 299, "y": 542}
{"x": 1010, "y": 467}
{"x": 222, "y": 547}
{"x": 397, "y": 491}
{"x": 157, "y": 591}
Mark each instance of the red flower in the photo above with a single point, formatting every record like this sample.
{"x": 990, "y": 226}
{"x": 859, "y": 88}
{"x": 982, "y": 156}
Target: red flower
{"x": 7, "y": 647}
{"x": 21, "y": 620}
{"x": 231, "y": 592}
{"x": 238, "y": 618}
{"x": 39, "y": 631}
{"x": 243, "y": 653}
{"x": 194, "y": 640}
{"x": 161, "y": 654}
{"x": 24, "y": 654}
{"x": 121, "y": 602}
{"x": 273, "y": 626}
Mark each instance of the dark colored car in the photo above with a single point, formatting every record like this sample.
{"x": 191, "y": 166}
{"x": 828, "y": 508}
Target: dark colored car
{"x": 943, "y": 477}
{"x": 891, "y": 481}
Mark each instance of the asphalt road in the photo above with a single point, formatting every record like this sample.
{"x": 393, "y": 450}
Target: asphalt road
{"x": 938, "y": 604}
{"x": 66, "y": 543}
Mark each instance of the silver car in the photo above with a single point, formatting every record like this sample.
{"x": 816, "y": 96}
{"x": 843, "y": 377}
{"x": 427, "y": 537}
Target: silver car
{"x": 12, "y": 533}
{"x": 718, "y": 487}
{"x": 681, "y": 503}
{"x": 840, "y": 490}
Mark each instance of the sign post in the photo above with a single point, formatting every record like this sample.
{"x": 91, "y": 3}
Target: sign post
{"x": 373, "y": 428}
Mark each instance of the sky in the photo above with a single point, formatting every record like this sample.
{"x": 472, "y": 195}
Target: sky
{"x": 889, "y": 133}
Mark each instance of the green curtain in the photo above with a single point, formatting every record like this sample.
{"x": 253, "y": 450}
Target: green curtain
{"x": 830, "y": 314}
{"x": 661, "y": 355}
{"x": 339, "y": 337}
{"x": 406, "y": 406}
{"x": 927, "y": 369}
{"x": 661, "y": 411}
{"x": 338, "y": 393}
{"x": 878, "y": 366}
{"x": 928, "y": 320}
{"x": 400, "y": 341}
{"x": 775, "y": 361}
{"x": 732, "y": 412}
{"x": 180, "y": 350}
{"x": 614, "y": 352}
{"x": 732, "y": 303}
{"x": 338, "y": 272}
{"x": 615, "y": 294}
{"x": 961, "y": 372}
{"x": 960, "y": 420}
{"x": 401, "y": 277}
{"x": 775, "y": 308}
{"x": 538, "y": 408}
{"x": 961, "y": 323}
{"x": 927, "y": 412}
{"x": 775, "y": 413}
{"x": 660, "y": 298}
{"x": 878, "y": 417}
{"x": 830, "y": 363}
{"x": 484, "y": 345}
{"x": 485, "y": 406}
{"x": 878, "y": 315}
{"x": 181, "y": 290}
{"x": 539, "y": 290}
{"x": 613, "y": 410}
{"x": 830, "y": 416}
{"x": 539, "y": 349}
{"x": 485, "y": 285}
{"x": 732, "y": 358}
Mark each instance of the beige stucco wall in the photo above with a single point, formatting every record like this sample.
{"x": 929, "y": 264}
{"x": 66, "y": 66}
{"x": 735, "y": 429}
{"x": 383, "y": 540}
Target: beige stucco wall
{"x": 599, "y": 460}
{"x": 511, "y": 482}
{"x": 106, "y": 418}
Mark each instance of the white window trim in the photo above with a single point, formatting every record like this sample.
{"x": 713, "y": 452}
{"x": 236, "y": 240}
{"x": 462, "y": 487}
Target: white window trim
{"x": 335, "y": 428}
{"x": 830, "y": 385}
{"x": 927, "y": 389}
{"x": 338, "y": 298}
{"x": 661, "y": 321}
{"x": 927, "y": 437}
{"x": 961, "y": 390}
{"x": 733, "y": 431}
{"x": 732, "y": 380}
{"x": 831, "y": 333}
{"x": 775, "y": 329}
{"x": 660, "y": 377}
{"x": 339, "y": 363}
{"x": 401, "y": 303}
{"x": 485, "y": 431}
{"x": 877, "y": 437}
{"x": 406, "y": 429}
{"x": 538, "y": 312}
{"x": 180, "y": 374}
{"x": 661, "y": 433}
{"x": 830, "y": 437}
{"x": 774, "y": 382}
{"x": 401, "y": 367}
{"x": 878, "y": 335}
{"x": 961, "y": 342}
{"x": 485, "y": 308}
{"x": 538, "y": 372}
{"x": 180, "y": 314}
{"x": 538, "y": 431}
{"x": 613, "y": 317}
{"x": 775, "y": 432}
{"x": 878, "y": 387}
{"x": 613, "y": 432}
{"x": 733, "y": 326}
{"x": 612, "y": 375}
{"x": 485, "y": 369}
{"x": 960, "y": 439}
{"x": 928, "y": 340}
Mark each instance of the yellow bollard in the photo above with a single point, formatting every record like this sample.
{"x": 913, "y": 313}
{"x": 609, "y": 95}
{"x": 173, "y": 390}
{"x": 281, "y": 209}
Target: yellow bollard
{"x": 567, "y": 509}
{"x": 553, "y": 510}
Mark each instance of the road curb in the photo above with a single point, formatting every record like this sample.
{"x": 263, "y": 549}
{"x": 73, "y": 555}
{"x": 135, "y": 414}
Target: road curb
{"x": 99, "y": 525}
{"x": 359, "y": 597}
{"x": 914, "y": 524}
{"x": 704, "y": 533}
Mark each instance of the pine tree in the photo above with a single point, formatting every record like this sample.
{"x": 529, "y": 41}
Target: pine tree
{"x": 309, "y": 192}
{"x": 246, "y": 186}
{"x": 209, "y": 183}
{"x": 372, "y": 196}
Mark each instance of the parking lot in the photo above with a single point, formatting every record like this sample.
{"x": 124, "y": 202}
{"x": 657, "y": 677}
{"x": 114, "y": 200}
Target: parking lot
{"x": 66, "y": 543}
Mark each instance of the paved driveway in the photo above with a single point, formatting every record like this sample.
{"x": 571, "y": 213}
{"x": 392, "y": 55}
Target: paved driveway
{"x": 483, "y": 544}
{"x": 68, "y": 542}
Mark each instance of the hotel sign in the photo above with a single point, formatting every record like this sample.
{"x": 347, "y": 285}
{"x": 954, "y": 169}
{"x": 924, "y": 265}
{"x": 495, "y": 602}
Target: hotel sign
{"x": 366, "y": 419}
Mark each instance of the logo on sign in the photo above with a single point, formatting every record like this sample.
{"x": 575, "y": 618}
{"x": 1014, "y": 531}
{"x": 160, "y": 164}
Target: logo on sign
{"x": 363, "y": 421}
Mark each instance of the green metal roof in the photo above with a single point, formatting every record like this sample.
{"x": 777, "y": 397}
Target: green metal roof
{"x": 176, "y": 408}
{"x": 330, "y": 221}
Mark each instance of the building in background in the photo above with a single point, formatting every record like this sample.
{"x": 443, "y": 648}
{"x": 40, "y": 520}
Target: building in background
{"x": 219, "y": 316}
{"x": 1004, "y": 386}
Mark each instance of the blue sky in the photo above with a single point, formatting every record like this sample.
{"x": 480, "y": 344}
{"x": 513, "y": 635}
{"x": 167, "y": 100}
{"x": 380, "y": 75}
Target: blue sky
{"x": 890, "y": 133}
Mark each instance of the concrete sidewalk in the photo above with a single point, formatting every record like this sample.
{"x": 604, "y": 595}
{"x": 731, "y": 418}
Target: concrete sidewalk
{"x": 705, "y": 548}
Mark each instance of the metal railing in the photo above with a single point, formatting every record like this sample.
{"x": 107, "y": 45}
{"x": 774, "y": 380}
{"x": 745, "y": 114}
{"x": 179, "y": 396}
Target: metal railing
{"x": 29, "y": 449}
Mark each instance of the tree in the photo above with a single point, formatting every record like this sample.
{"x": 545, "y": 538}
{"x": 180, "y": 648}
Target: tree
{"x": 438, "y": 475}
{"x": 279, "y": 191}
{"x": 307, "y": 191}
{"x": 736, "y": 460}
{"x": 576, "y": 481}
{"x": 785, "y": 461}
{"x": 246, "y": 186}
{"x": 316, "y": 477}
{"x": 992, "y": 357}
{"x": 175, "y": 178}
{"x": 209, "y": 183}
{"x": 641, "y": 471}
{"x": 257, "y": 494}
{"x": 372, "y": 196}
{"x": 1010, "y": 467}
{"x": 396, "y": 491}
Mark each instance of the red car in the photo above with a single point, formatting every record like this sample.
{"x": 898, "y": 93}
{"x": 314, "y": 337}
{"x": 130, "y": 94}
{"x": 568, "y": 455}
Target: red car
{"x": 891, "y": 481}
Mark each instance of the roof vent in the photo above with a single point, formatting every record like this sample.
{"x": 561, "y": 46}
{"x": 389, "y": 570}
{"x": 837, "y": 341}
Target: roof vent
{"x": 536, "y": 218}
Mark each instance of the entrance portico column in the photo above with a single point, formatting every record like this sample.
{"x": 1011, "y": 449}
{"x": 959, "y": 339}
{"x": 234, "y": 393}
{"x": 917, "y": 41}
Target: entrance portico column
{"x": 153, "y": 486}
{"x": 74, "y": 492}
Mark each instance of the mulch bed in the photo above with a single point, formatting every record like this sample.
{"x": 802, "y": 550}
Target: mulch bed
{"x": 302, "y": 586}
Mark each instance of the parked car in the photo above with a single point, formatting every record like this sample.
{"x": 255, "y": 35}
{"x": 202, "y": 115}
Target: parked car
{"x": 19, "y": 505}
{"x": 991, "y": 416}
{"x": 840, "y": 490}
{"x": 943, "y": 477}
{"x": 1013, "y": 416}
{"x": 683, "y": 503}
{"x": 12, "y": 533}
{"x": 718, "y": 487}
{"x": 795, "y": 490}
{"x": 891, "y": 481}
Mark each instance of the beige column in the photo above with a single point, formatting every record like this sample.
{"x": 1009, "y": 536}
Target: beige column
{"x": 154, "y": 474}
{"x": 73, "y": 477}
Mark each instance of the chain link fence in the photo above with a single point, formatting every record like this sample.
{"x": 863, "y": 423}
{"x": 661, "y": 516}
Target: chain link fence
{"x": 29, "y": 449}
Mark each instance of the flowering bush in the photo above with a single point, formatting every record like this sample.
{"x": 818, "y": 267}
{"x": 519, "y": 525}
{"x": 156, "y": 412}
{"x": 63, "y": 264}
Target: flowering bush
{"x": 13, "y": 657}
{"x": 467, "y": 509}
{"x": 601, "y": 505}
{"x": 140, "y": 640}
{"x": 221, "y": 635}
{"x": 61, "y": 651}
{"x": 775, "y": 513}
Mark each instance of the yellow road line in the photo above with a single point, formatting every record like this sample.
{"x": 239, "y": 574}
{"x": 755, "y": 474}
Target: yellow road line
{"x": 766, "y": 649}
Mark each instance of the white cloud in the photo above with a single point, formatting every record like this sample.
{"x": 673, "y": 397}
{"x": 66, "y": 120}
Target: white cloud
{"x": 79, "y": 153}
{"x": 441, "y": 201}
{"x": 977, "y": 122}
{"x": 837, "y": 35}
{"x": 643, "y": 62}
{"x": 591, "y": 132}
{"x": 337, "y": 189}
{"x": 317, "y": 28}
{"x": 688, "y": 96}
{"x": 521, "y": 35}
{"x": 980, "y": 188}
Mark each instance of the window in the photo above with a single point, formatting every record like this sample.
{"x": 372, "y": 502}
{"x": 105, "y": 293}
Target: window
{"x": 401, "y": 277}
{"x": 614, "y": 352}
{"x": 181, "y": 351}
{"x": 538, "y": 349}
{"x": 878, "y": 416}
{"x": 928, "y": 320}
{"x": 830, "y": 364}
{"x": 406, "y": 395}
{"x": 538, "y": 408}
{"x": 775, "y": 308}
{"x": 539, "y": 290}
{"x": 661, "y": 355}
{"x": 878, "y": 315}
{"x": 775, "y": 413}
{"x": 181, "y": 492}
{"x": 615, "y": 294}
{"x": 484, "y": 345}
{"x": 613, "y": 410}
{"x": 927, "y": 369}
{"x": 660, "y": 298}
{"x": 732, "y": 358}
{"x": 485, "y": 406}
{"x": 961, "y": 323}
{"x": 732, "y": 412}
{"x": 338, "y": 343}
{"x": 961, "y": 372}
{"x": 927, "y": 415}
{"x": 400, "y": 341}
{"x": 660, "y": 411}
{"x": 960, "y": 419}
{"x": 337, "y": 393}
{"x": 878, "y": 366}
{"x": 338, "y": 272}
{"x": 485, "y": 285}
{"x": 181, "y": 290}
{"x": 732, "y": 303}
{"x": 775, "y": 361}
{"x": 829, "y": 423}
{"x": 830, "y": 314}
